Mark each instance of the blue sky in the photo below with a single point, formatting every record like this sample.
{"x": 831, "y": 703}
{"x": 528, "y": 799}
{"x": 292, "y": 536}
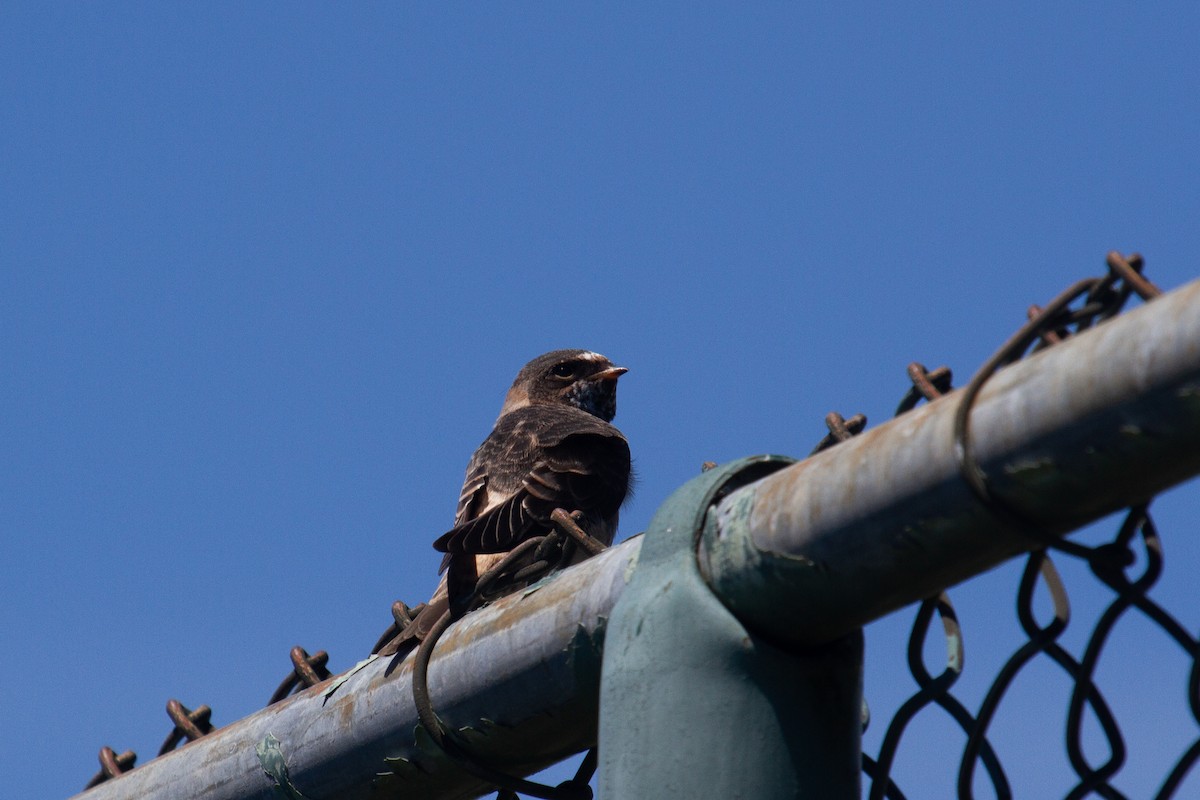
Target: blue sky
{"x": 268, "y": 270}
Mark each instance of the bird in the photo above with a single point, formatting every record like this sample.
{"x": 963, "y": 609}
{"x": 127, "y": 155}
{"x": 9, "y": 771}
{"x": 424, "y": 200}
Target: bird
{"x": 552, "y": 447}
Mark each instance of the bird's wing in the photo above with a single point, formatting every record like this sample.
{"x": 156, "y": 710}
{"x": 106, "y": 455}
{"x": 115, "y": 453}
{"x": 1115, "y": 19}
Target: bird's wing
{"x": 474, "y": 491}
{"x": 473, "y": 497}
{"x": 582, "y": 464}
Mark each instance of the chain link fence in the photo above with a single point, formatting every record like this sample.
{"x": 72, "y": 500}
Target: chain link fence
{"x": 1135, "y": 543}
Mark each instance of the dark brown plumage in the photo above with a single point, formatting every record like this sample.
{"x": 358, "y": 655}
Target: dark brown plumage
{"x": 552, "y": 447}
{"x": 538, "y": 458}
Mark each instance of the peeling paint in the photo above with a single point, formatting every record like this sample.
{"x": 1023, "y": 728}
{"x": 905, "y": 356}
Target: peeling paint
{"x": 631, "y": 566}
{"x": 399, "y": 769}
{"x": 270, "y": 756}
{"x": 480, "y": 731}
{"x": 345, "y": 676}
{"x": 585, "y": 653}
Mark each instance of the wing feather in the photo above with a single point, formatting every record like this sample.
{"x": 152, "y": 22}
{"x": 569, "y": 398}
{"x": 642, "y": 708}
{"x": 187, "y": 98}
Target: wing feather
{"x": 545, "y": 457}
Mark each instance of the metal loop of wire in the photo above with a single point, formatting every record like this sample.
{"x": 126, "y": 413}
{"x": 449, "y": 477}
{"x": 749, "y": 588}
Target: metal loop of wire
{"x": 927, "y": 385}
{"x": 112, "y": 765}
{"x": 1104, "y": 298}
{"x": 189, "y": 725}
{"x": 840, "y": 429}
{"x": 529, "y": 561}
{"x": 402, "y": 617}
{"x": 307, "y": 671}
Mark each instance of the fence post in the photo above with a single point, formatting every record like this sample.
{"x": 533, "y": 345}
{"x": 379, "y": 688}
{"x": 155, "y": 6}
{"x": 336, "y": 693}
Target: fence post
{"x": 695, "y": 705}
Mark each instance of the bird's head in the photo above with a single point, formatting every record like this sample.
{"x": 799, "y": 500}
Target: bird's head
{"x": 579, "y": 378}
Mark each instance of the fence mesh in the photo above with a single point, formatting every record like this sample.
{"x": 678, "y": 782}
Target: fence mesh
{"x": 1135, "y": 545}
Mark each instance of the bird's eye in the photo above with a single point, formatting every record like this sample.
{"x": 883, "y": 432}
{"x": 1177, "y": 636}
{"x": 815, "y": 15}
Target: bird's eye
{"x": 566, "y": 370}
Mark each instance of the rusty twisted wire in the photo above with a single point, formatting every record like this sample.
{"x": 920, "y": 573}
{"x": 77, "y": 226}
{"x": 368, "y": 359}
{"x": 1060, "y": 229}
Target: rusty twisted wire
{"x": 190, "y": 725}
{"x": 530, "y": 562}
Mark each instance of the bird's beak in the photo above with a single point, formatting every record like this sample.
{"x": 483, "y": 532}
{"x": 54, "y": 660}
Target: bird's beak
{"x": 610, "y": 374}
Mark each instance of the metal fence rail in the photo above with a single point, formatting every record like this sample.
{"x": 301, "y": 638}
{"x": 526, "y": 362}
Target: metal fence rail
{"x": 1102, "y": 420}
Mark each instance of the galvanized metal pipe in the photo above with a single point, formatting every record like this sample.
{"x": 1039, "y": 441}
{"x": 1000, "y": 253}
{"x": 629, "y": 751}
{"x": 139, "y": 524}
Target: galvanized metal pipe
{"x": 1097, "y": 423}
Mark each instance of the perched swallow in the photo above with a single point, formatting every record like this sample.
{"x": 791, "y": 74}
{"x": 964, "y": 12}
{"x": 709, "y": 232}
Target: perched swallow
{"x": 552, "y": 447}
